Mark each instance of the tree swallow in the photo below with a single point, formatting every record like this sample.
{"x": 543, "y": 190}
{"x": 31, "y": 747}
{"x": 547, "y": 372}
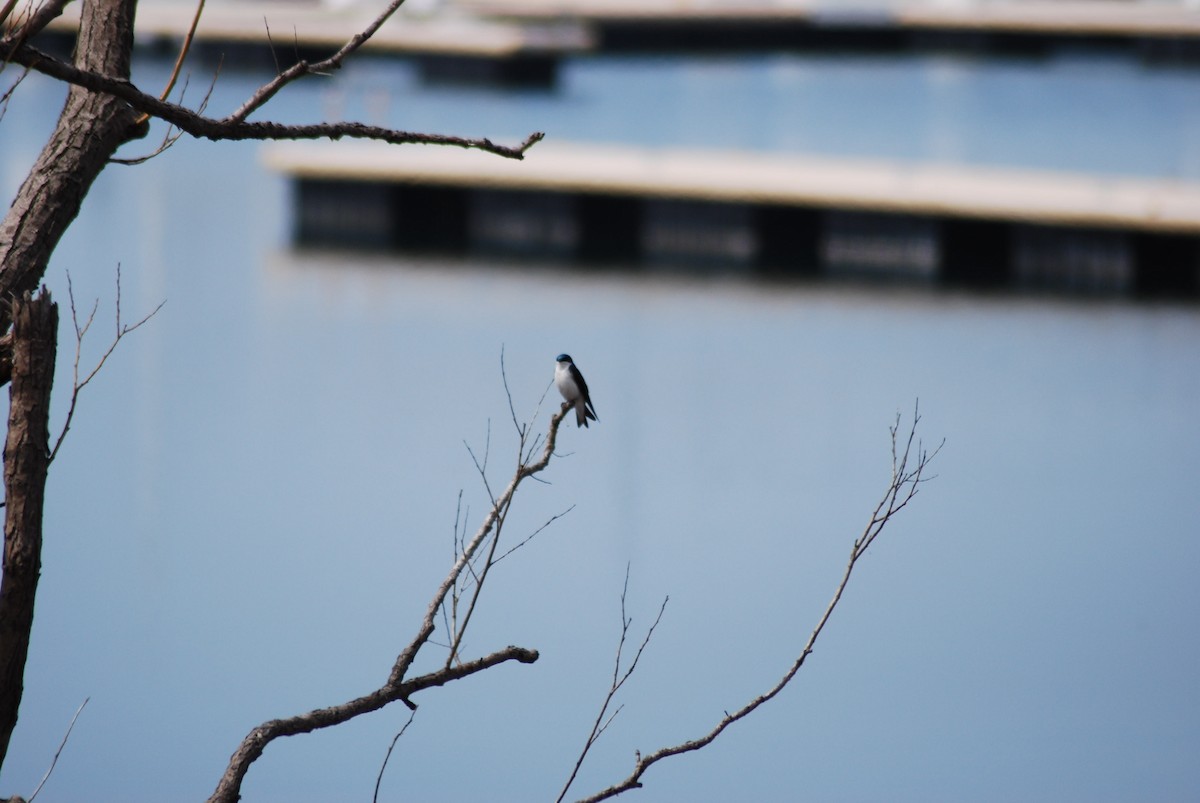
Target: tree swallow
{"x": 572, "y": 387}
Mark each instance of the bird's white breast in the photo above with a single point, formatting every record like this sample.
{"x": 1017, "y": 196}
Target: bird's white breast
{"x": 563, "y": 381}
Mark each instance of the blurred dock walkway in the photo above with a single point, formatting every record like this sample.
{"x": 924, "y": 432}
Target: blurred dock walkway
{"x": 1063, "y": 17}
{"x": 774, "y": 213}
{"x": 552, "y": 29}
{"x": 291, "y": 28}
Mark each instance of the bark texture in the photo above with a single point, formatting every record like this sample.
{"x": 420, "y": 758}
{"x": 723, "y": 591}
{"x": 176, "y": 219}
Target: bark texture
{"x": 90, "y": 129}
{"x": 26, "y": 461}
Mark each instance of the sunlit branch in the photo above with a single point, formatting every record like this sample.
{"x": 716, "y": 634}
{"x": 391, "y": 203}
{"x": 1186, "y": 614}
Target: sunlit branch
{"x": 234, "y": 128}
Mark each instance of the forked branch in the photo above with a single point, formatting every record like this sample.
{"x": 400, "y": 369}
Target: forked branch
{"x": 619, "y": 678}
{"x": 397, "y": 686}
{"x": 909, "y": 465}
{"x": 236, "y": 126}
{"x": 470, "y": 581}
{"x": 81, "y": 330}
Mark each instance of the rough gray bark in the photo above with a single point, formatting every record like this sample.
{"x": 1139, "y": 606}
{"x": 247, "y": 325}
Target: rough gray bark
{"x": 26, "y": 461}
{"x": 90, "y": 129}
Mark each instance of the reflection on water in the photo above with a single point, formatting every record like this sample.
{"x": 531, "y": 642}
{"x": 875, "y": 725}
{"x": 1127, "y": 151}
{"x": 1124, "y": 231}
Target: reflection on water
{"x": 258, "y": 496}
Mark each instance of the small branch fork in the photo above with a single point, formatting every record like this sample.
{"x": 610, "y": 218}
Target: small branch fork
{"x": 14, "y": 47}
{"x": 472, "y": 579}
{"x": 81, "y": 331}
{"x": 908, "y": 474}
{"x": 172, "y": 136}
{"x": 398, "y": 686}
{"x": 603, "y": 718}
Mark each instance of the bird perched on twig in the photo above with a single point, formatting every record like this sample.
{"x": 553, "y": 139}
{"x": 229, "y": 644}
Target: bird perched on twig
{"x": 570, "y": 384}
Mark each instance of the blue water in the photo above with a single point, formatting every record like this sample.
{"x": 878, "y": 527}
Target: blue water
{"x": 258, "y": 493}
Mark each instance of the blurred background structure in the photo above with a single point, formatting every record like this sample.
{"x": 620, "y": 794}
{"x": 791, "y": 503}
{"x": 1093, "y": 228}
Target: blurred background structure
{"x": 762, "y": 231}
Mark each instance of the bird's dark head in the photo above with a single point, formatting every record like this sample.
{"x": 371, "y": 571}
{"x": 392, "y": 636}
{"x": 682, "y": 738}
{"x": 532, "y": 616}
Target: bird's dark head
{"x": 564, "y": 358}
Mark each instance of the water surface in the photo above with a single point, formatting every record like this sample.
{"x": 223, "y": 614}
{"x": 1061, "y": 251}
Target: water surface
{"x": 258, "y": 495}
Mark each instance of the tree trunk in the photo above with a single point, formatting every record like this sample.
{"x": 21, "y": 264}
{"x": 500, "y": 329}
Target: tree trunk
{"x": 90, "y": 129}
{"x": 26, "y": 460}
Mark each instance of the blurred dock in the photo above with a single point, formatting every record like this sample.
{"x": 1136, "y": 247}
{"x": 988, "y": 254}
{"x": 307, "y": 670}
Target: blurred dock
{"x": 522, "y": 41}
{"x": 1029, "y": 27}
{"x": 1170, "y": 28}
{"x": 447, "y": 45}
{"x": 308, "y": 25}
{"x": 1067, "y": 17}
{"x": 763, "y": 213}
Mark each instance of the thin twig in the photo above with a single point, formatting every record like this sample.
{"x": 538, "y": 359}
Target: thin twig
{"x": 903, "y": 487}
{"x": 450, "y": 617}
{"x": 80, "y": 332}
{"x": 521, "y": 429}
{"x": 531, "y": 536}
{"x": 184, "y": 49}
{"x": 489, "y": 559}
{"x": 271, "y": 45}
{"x": 18, "y": 34}
{"x": 6, "y": 10}
{"x": 170, "y": 138}
{"x": 456, "y": 642}
{"x": 58, "y": 752}
{"x": 6, "y": 98}
{"x": 396, "y": 738}
{"x": 618, "y": 680}
{"x": 302, "y": 68}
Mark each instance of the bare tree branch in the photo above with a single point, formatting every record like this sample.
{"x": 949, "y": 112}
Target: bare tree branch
{"x": 386, "y": 757}
{"x": 303, "y": 68}
{"x": 170, "y": 138}
{"x": 58, "y": 752}
{"x": 905, "y": 482}
{"x": 396, "y": 687}
{"x": 235, "y": 126}
{"x": 8, "y": 93}
{"x": 489, "y": 558}
{"x": 80, "y": 332}
{"x": 26, "y": 462}
{"x": 618, "y": 680}
{"x": 42, "y": 16}
{"x": 173, "y": 135}
{"x": 6, "y": 10}
{"x": 90, "y": 128}
{"x": 251, "y": 748}
{"x": 184, "y": 49}
{"x": 533, "y": 534}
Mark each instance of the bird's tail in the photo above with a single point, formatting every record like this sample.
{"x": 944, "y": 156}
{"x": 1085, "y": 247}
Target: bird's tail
{"x": 582, "y": 414}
